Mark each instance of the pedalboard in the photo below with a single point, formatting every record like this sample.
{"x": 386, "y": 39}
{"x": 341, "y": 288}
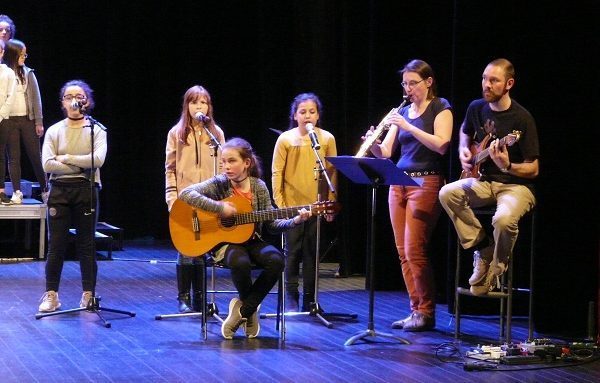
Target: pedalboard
{"x": 520, "y": 359}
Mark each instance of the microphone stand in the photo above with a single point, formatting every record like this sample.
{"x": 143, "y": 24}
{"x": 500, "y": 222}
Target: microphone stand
{"x": 315, "y": 307}
{"x": 211, "y": 308}
{"x": 94, "y": 302}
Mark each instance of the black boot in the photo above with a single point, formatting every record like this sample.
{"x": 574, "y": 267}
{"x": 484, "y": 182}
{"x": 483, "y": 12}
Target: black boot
{"x": 184, "y": 282}
{"x": 307, "y": 299}
{"x": 291, "y": 301}
{"x": 197, "y": 287}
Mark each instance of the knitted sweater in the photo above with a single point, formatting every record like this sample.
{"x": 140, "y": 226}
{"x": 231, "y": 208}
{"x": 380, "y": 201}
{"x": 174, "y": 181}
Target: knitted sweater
{"x": 75, "y": 143}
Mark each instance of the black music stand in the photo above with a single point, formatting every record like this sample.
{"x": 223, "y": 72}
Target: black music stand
{"x": 374, "y": 172}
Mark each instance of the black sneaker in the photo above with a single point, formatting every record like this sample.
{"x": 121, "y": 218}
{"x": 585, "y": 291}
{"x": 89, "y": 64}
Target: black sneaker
{"x": 4, "y": 200}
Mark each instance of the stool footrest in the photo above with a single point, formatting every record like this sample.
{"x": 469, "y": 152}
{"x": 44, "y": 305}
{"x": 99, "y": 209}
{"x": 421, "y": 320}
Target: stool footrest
{"x": 491, "y": 294}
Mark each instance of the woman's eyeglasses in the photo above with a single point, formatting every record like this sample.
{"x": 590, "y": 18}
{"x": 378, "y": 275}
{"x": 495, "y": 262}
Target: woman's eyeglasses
{"x": 70, "y": 97}
{"x": 410, "y": 84}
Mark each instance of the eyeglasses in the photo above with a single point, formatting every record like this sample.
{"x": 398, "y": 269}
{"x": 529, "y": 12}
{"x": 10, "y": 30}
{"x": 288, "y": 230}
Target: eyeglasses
{"x": 410, "y": 84}
{"x": 25, "y": 55}
{"x": 70, "y": 97}
{"x": 7, "y": 29}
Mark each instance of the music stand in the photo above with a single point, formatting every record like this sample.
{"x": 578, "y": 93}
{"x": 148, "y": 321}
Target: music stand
{"x": 374, "y": 172}
{"x": 94, "y": 302}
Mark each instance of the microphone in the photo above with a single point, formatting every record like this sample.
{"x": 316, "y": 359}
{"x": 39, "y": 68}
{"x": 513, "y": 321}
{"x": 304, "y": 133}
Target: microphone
{"x": 76, "y": 105}
{"x": 313, "y": 136}
{"x": 201, "y": 117}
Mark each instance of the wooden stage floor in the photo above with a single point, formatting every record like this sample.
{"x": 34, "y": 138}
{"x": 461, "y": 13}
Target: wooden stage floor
{"x": 76, "y": 347}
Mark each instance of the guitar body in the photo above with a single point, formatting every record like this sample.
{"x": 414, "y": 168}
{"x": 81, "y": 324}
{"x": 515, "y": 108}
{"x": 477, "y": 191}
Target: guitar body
{"x": 480, "y": 152}
{"x": 195, "y": 232}
{"x": 475, "y": 150}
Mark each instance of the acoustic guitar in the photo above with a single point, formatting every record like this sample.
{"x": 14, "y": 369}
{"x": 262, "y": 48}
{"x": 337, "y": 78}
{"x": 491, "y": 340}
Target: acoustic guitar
{"x": 195, "y": 232}
{"x": 481, "y": 153}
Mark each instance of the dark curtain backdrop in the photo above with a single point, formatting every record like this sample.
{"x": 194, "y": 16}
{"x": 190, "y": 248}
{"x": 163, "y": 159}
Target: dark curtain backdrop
{"x": 255, "y": 56}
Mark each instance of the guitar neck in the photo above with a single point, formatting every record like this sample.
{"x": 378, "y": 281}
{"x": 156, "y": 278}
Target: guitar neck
{"x": 267, "y": 215}
{"x": 484, "y": 154}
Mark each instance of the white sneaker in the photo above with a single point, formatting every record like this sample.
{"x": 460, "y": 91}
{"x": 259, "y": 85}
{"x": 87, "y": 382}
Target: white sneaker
{"x": 17, "y": 197}
{"x": 252, "y": 325}
{"x": 481, "y": 264}
{"x": 234, "y": 320}
{"x": 50, "y": 302}
{"x": 491, "y": 281}
{"x": 85, "y": 299}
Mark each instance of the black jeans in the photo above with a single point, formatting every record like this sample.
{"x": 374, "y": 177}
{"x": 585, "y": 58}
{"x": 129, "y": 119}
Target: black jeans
{"x": 240, "y": 258}
{"x": 9, "y": 148}
{"x": 69, "y": 207}
{"x": 301, "y": 246}
{"x": 22, "y": 132}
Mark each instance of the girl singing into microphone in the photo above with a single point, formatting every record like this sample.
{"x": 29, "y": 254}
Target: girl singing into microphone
{"x": 189, "y": 159}
{"x": 73, "y": 161}
{"x": 295, "y": 183}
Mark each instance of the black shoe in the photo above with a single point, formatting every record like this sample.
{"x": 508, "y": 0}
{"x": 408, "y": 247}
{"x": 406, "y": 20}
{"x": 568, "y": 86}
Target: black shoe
{"x": 291, "y": 301}
{"x": 307, "y": 300}
{"x": 4, "y": 200}
{"x": 184, "y": 303}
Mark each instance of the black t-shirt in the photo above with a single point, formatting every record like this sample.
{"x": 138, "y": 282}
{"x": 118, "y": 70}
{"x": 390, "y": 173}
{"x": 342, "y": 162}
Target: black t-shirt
{"x": 481, "y": 120}
{"x": 415, "y": 156}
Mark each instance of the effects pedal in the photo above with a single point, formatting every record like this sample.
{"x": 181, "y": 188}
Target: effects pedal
{"x": 520, "y": 359}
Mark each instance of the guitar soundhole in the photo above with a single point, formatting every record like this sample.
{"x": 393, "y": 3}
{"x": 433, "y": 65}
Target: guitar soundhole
{"x": 228, "y": 222}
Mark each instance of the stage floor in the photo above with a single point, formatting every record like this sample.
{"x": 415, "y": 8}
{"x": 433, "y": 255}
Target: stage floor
{"x": 76, "y": 347}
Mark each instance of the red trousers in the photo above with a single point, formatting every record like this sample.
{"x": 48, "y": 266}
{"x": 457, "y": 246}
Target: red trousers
{"x": 414, "y": 212}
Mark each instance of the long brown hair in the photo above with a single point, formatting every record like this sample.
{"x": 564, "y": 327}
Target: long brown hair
{"x": 13, "y": 49}
{"x": 185, "y": 120}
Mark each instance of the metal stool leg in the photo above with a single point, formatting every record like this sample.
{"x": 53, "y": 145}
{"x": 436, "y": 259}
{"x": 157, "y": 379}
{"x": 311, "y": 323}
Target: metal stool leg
{"x": 457, "y": 294}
